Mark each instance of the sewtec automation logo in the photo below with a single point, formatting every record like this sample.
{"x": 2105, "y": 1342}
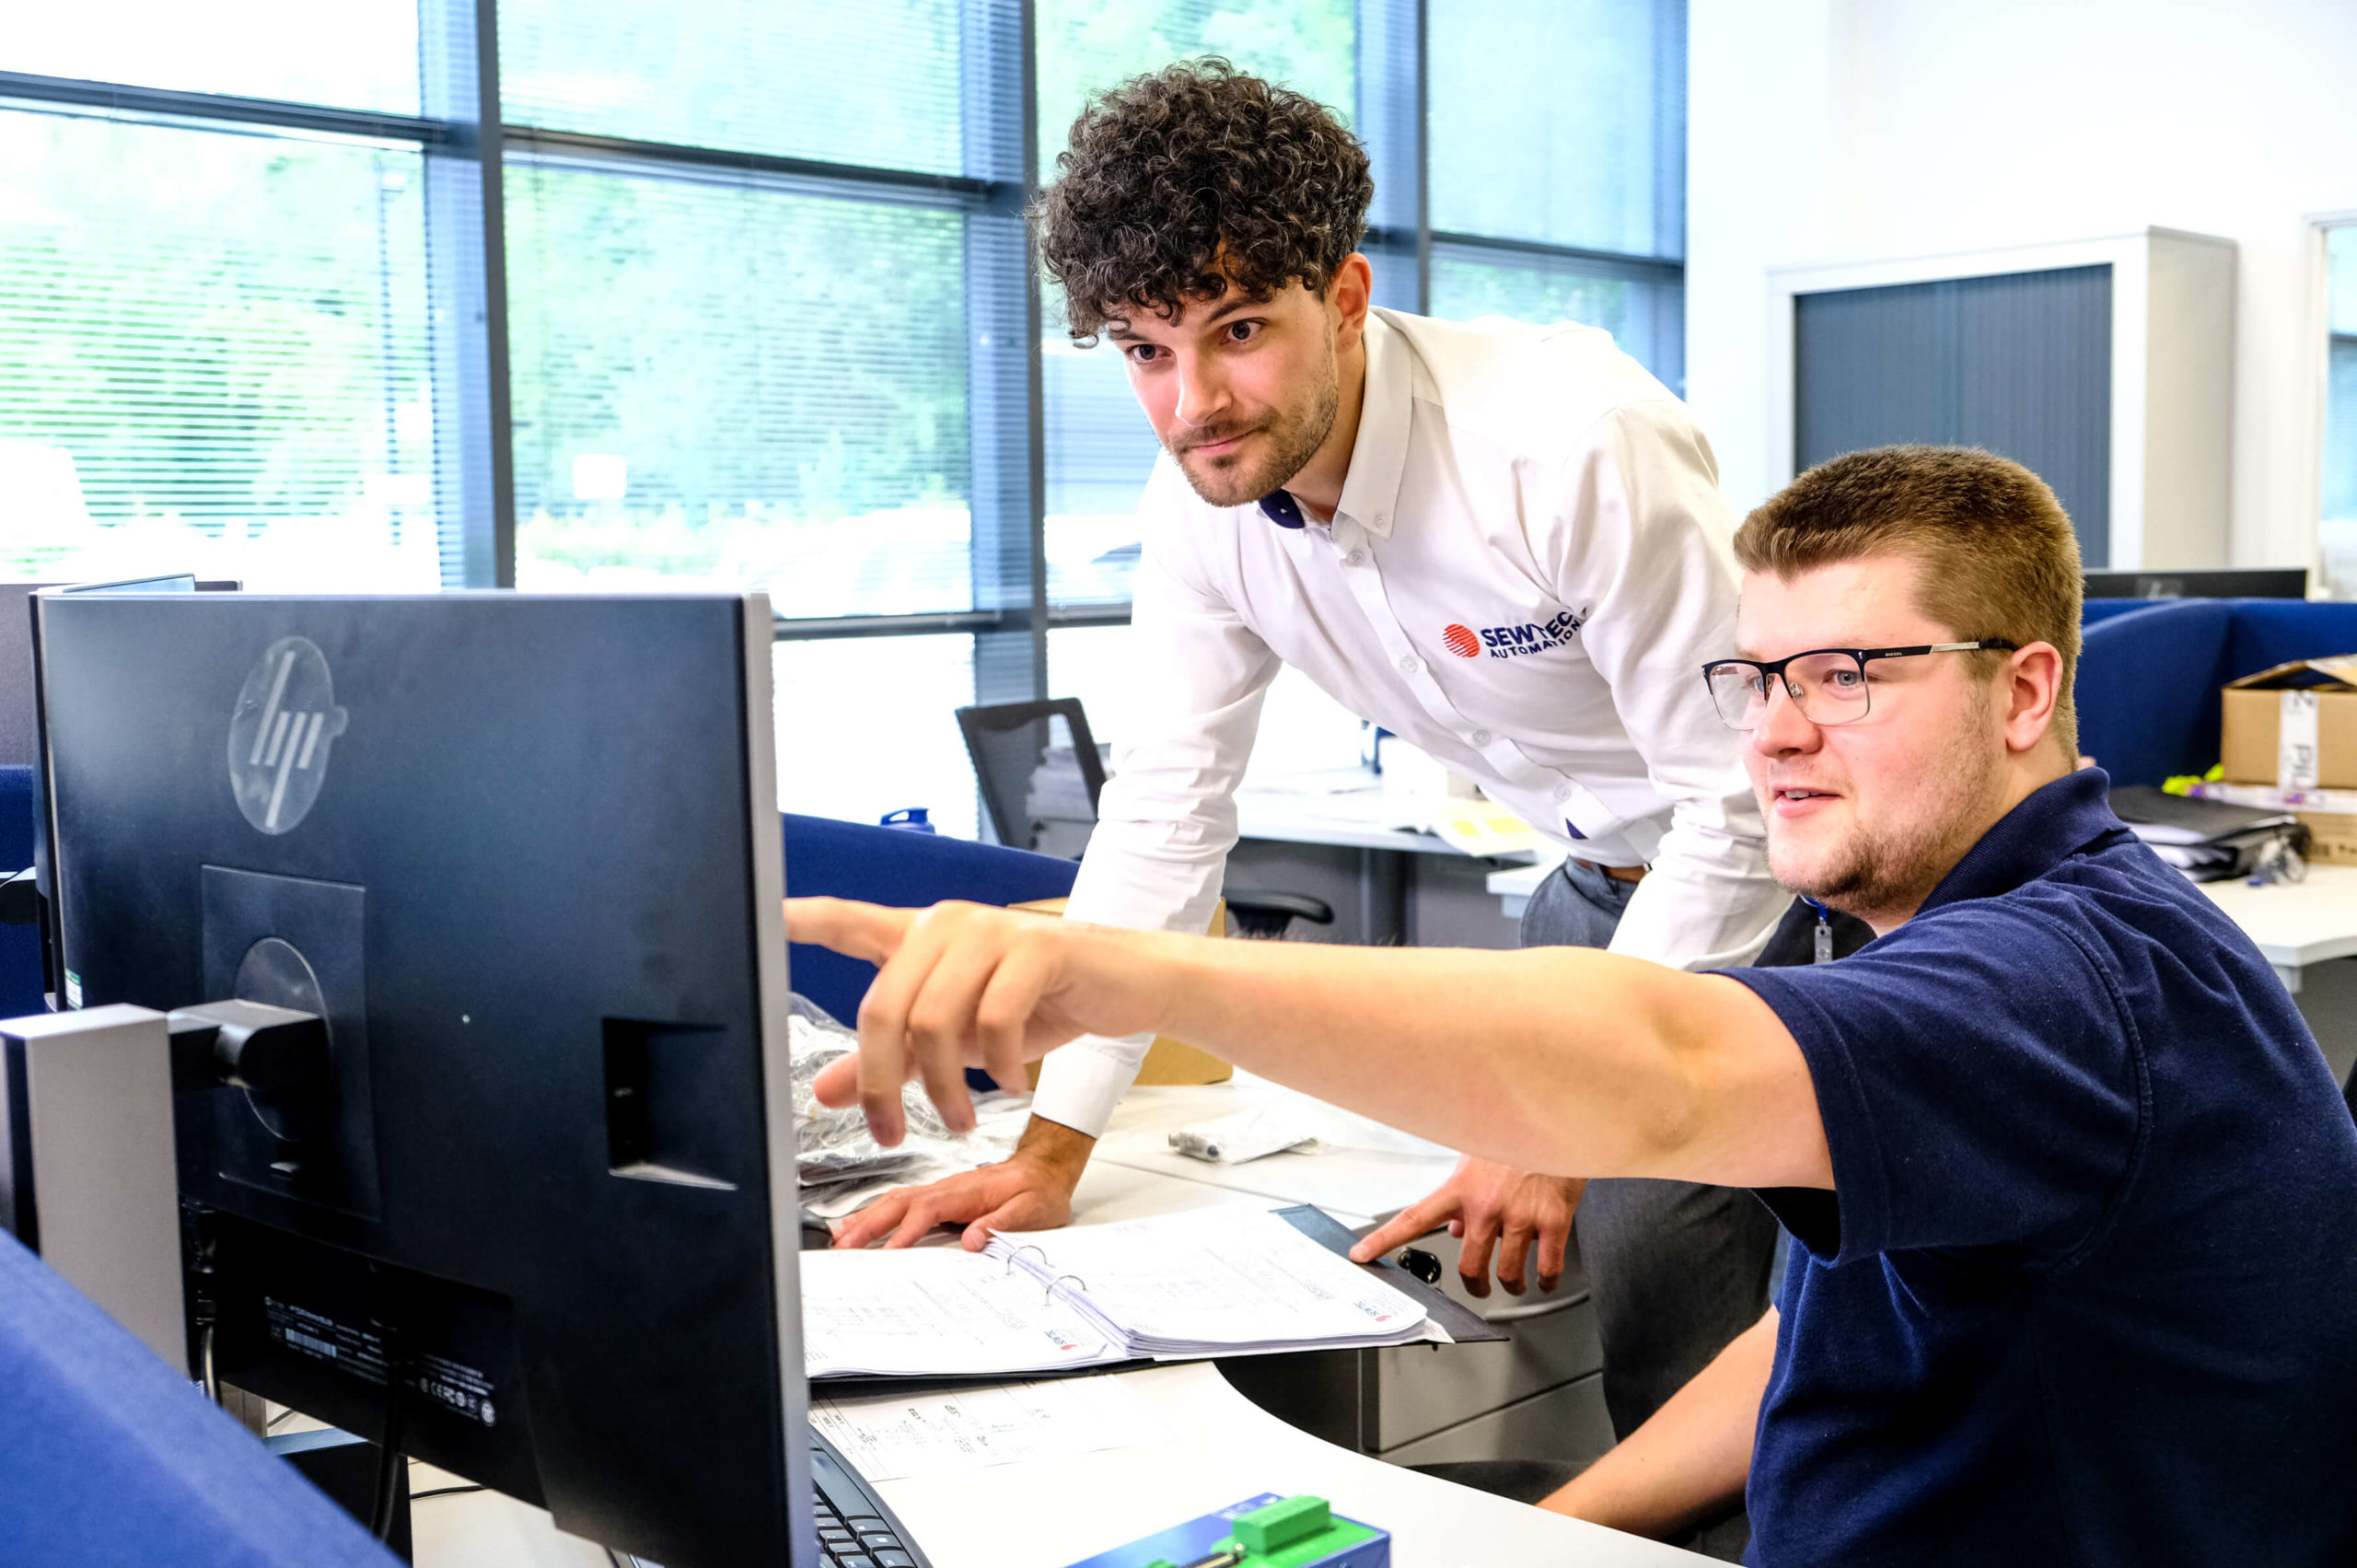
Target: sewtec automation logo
{"x": 279, "y": 736}
{"x": 1514, "y": 641}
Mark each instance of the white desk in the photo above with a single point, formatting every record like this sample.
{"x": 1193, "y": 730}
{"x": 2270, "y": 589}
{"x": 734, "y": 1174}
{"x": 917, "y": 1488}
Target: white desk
{"x": 1396, "y": 868}
{"x": 2295, "y": 923}
{"x": 1352, "y": 814}
{"x": 1228, "y": 1449}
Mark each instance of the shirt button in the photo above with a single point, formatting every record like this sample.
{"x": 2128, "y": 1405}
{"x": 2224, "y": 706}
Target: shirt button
{"x": 1355, "y": 557}
{"x": 1409, "y": 666}
{"x": 1480, "y": 737}
{"x": 1561, "y": 792}
{"x": 1381, "y": 519}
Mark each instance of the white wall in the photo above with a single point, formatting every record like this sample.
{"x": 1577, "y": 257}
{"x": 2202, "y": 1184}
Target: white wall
{"x": 1841, "y": 130}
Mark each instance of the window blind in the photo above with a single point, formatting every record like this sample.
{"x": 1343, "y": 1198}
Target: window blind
{"x": 742, "y": 387}
{"x": 213, "y": 356}
{"x": 874, "y": 83}
{"x": 352, "y": 54}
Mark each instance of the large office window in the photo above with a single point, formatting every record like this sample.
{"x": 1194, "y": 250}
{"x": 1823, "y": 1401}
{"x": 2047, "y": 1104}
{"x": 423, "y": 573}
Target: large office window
{"x": 1558, "y": 168}
{"x": 2338, "y": 533}
{"x": 188, "y": 377}
{"x": 735, "y": 296}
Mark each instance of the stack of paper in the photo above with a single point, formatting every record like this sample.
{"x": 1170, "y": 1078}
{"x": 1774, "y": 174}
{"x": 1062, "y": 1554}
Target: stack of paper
{"x": 1219, "y": 1281}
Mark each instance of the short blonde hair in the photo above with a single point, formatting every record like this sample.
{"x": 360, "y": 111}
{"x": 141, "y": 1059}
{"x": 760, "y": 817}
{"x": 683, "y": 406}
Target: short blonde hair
{"x": 1999, "y": 556}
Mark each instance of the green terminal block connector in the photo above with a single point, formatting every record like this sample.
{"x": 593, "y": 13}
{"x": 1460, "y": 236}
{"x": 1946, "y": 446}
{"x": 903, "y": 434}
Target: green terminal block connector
{"x": 1267, "y": 1531}
{"x": 1298, "y": 1532}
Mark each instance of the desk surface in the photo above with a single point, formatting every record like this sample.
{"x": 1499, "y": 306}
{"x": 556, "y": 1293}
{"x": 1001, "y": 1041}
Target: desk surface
{"x": 1228, "y": 1448}
{"x": 1347, "y": 809}
{"x": 2295, "y": 923}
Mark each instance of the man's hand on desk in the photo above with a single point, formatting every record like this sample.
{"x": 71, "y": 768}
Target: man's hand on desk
{"x": 1031, "y": 1190}
{"x": 1487, "y": 1205}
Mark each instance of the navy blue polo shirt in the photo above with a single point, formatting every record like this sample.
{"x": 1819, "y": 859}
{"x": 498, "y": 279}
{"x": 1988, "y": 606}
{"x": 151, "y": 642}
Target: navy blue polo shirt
{"x": 2085, "y": 1289}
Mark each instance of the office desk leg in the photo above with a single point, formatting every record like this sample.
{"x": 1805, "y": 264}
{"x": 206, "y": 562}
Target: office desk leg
{"x": 1382, "y": 898}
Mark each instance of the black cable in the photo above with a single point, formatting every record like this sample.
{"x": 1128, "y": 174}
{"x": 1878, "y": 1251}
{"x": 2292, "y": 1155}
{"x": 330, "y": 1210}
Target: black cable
{"x": 286, "y": 1415}
{"x": 393, "y": 1475}
{"x": 443, "y": 1491}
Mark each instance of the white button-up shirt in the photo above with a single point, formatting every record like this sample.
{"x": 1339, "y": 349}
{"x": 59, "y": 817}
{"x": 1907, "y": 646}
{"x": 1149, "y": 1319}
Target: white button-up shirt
{"x": 1528, "y": 567}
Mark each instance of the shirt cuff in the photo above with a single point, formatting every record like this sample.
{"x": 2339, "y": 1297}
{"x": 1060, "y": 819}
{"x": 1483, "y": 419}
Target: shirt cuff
{"x": 1081, "y": 1084}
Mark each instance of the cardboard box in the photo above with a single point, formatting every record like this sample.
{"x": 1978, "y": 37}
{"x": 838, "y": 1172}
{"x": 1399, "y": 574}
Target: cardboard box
{"x": 2294, "y": 726}
{"x": 1166, "y": 1060}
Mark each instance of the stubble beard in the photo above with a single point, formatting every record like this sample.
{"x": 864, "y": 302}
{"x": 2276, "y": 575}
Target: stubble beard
{"x": 1883, "y": 874}
{"x": 1293, "y": 441}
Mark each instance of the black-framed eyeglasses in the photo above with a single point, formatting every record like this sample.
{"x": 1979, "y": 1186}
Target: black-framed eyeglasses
{"x": 1828, "y": 685}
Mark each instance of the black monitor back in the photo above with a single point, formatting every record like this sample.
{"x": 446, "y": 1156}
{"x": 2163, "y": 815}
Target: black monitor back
{"x": 522, "y": 853}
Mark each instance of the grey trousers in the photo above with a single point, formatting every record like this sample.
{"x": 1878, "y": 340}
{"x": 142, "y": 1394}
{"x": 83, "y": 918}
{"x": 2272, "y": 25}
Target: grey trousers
{"x": 1677, "y": 1270}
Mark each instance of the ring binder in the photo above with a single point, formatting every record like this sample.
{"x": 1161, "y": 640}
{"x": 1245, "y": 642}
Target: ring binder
{"x": 1221, "y": 1282}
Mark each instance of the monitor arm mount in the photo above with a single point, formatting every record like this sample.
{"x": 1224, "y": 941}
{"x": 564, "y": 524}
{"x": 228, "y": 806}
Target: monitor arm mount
{"x": 270, "y": 1052}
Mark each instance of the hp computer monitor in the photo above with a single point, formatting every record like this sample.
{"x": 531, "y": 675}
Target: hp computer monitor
{"x": 535, "y": 1217}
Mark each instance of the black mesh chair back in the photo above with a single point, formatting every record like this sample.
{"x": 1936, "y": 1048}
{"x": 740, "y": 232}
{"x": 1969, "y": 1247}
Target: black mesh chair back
{"x": 1041, "y": 775}
{"x": 1040, "y": 772}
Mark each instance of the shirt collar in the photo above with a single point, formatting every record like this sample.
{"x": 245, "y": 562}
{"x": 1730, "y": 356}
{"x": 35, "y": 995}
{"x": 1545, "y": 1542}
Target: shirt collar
{"x": 1371, "y": 491}
{"x": 2055, "y": 822}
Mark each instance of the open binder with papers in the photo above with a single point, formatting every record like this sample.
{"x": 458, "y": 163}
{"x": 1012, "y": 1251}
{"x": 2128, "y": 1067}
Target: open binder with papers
{"x": 1211, "y": 1282}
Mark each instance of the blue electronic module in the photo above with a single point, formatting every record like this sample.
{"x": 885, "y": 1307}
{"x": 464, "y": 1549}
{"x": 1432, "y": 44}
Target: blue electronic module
{"x": 1267, "y": 1531}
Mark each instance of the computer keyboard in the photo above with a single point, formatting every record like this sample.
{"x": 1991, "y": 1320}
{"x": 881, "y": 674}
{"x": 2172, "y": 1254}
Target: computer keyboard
{"x": 856, "y": 1530}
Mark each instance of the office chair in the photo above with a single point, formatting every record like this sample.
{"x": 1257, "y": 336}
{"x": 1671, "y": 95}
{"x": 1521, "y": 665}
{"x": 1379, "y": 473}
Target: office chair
{"x": 1028, "y": 788}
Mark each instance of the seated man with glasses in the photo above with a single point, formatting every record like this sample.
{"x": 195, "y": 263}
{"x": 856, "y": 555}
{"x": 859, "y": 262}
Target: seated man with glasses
{"x": 2074, "y": 1195}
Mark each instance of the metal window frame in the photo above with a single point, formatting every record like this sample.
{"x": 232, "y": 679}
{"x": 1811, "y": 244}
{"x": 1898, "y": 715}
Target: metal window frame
{"x": 467, "y": 147}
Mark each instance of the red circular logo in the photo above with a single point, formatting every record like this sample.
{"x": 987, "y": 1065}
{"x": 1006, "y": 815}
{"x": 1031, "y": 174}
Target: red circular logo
{"x": 1461, "y": 640}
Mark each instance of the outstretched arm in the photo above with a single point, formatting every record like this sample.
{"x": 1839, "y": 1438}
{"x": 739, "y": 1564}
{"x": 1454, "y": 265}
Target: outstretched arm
{"x": 1566, "y": 1060}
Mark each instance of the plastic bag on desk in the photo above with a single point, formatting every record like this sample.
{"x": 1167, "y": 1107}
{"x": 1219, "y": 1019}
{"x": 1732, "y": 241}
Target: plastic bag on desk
{"x": 816, "y": 1038}
{"x": 833, "y": 1147}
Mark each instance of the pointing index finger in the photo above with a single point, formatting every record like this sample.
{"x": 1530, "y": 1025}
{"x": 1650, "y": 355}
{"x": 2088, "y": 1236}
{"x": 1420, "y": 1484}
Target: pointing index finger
{"x": 857, "y": 930}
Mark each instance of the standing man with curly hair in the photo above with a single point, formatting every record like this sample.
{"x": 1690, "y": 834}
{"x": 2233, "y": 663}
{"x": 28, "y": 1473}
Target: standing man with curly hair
{"x": 1507, "y": 547}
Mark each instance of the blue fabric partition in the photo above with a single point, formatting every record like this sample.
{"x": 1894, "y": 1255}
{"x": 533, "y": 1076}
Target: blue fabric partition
{"x": 2148, "y": 672}
{"x": 890, "y": 865}
{"x": 2148, "y": 688}
{"x": 108, "y": 1456}
{"x": 20, "y": 979}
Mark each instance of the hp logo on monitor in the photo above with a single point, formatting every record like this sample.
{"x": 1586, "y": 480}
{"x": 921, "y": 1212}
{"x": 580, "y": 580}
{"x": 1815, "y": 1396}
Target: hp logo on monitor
{"x": 279, "y": 736}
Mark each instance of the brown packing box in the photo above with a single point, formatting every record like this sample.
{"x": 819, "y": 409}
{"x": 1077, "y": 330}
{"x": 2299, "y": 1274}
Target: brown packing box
{"x": 2251, "y": 714}
{"x": 1166, "y": 1060}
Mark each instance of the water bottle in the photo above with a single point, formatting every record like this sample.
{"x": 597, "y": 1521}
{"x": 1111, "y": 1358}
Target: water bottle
{"x": 909, "y": 820}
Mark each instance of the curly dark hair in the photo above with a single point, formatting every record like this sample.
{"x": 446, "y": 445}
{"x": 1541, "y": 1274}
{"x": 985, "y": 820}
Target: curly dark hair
{"x": 1195, "y": 163}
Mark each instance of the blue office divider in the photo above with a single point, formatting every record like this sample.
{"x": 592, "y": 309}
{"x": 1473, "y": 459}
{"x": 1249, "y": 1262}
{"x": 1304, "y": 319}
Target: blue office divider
{"x": 2148, "y": 688}
{"x": 2150, "y": 670}
{"x": 890, "y": 865}
{"x": 108, "y": 1456}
